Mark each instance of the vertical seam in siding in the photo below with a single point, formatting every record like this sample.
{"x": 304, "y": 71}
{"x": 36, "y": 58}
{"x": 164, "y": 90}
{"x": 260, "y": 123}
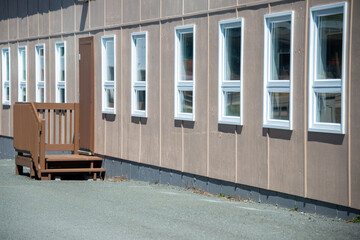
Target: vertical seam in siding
{"x": 182, "y": 146}
{"x": 306, "y": 79}
{"x": 349, "y": 103}
{"x": 208, "y": 100}
{"x": 61, "y": 18}
{"x": 160, "y": 93}
{"x": 121, "y": 95}
{"x": 267, "y": 134}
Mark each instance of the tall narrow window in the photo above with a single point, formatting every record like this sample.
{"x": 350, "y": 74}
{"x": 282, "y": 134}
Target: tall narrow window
{"x": 138, "y": 74}
{"x": 40, "y": 72}
{"x": 327, "y": 68}
{"x": 22, "y": 74}
{"x": 5, "y": 56}
{"x": 60, "y": 72}
{"x": 184, "y": 73}
{"x": 277, "y": 106}
{"x": 108, "y": 64}
{"x": 230, "y": 71}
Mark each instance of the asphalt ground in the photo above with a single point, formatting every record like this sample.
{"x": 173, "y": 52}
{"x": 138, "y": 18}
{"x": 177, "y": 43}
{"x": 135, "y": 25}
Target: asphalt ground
{"x": 32, "y": 209}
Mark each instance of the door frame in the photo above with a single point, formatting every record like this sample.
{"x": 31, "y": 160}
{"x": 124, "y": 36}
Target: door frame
{"x": 90, "y": 40}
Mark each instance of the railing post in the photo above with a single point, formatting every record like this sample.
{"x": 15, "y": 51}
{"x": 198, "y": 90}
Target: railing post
{"x": 42, "y": 145}
{"x": 76, "y": 128}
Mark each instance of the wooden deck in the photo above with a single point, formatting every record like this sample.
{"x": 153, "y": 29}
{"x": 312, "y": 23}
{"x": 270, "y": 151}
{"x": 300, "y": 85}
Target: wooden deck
{"x": 40, "y": 128}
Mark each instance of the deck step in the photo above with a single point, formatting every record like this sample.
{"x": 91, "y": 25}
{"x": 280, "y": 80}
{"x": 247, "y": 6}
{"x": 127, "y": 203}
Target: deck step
{"x": 71, "y": 158}
{"x": 73, "y": 170}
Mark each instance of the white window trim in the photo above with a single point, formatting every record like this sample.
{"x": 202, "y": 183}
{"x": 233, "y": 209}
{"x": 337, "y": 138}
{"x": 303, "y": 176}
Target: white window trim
{"x": 22, "y": 84}
{"x": 39, "y": 84}
{"x": 277, "y": 85}
{"x": 135, "y": 85}
{"x": 107, "y": 84}
{"x": 60, "y": 84}
{"x": 329, "y": 86}
{"x": 229, "y": 86}
{"x": 184, "y": 85}
{"x": 5, "y": 83}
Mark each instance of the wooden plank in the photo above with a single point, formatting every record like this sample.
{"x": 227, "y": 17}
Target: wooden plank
{"x": 71, "y": 157}
{"x": 23, "y": 161}
{"x": 65, "y": 140}
{"x": 76, "y": 128}
{"x": 49, "y": 129}
{"x": 42, "y": 145}
{"x": 60, "y": 127}
{"x": 71, "y": 126}
{"x": 74, "y": 170}
{"x": 55, "y": 106}
{"x": 59, "y": 147}
{"x": 54, "y": 127}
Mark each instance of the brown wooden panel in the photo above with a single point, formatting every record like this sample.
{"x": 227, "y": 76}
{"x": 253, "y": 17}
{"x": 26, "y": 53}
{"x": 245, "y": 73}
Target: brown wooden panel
{"x": 71, "y": 157}
{"x": 56, "y": 106}
{"x": 86, "y": 98}
{"x": 59, "y": 147}
{"x": 73, "y": 170}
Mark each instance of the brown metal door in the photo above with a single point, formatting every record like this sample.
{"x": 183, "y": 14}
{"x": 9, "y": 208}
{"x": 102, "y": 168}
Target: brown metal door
{"x": 86, "y": 97}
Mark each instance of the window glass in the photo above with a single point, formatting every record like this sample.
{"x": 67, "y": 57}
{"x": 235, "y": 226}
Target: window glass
{"x": 279, "y": 105}
{"x": 7, "y": 66}
{"x": 62, "y": 63}
{"x": 280, "y": 50}
{"x": 329, "y": 46}
{"x": 232, "y": 53}
{"x": 24, "y": 94}
{"x": 328, "y": 107}
{"x": 7, "y": 95}
{"x": 232, "y": 104}
{"x": 141, "y": 100}
{"x": 42, "y": 94}
{"x": 110, "y": 97}
{"x": 110, "y": 60}
{"x": 140, "y": 44}
{"x": 186, "y": 98}
{"x": 62, "y": 95}
{"x": 23, "y": 64}
{"x": 186, "y": 56}
{"x": 42, "y": 64}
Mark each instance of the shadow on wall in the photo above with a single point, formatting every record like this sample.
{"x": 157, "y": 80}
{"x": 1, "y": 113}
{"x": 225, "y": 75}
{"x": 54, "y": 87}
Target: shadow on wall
{"x": 184, "y": 124}
{"x": 225, "y": 128}
{"x": 109, "y": 117}
{"x": 336, "y": 139}
{"x": 11, "y": 8}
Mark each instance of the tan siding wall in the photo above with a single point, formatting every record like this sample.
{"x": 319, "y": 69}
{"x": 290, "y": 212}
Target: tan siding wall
{"x": 315, "y": 165}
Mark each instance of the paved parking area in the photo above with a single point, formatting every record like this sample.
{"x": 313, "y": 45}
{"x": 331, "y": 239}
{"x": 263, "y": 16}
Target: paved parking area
{"x": 139, "y": 210}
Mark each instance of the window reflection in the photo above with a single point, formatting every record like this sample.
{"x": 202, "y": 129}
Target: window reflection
{"x": 279, "y": 105}
{"x": 329, "y": 46}
{"x": 328, "y": 107}
{"x": 232, "y": 53}
{"x": 232, "y": 104}
{"x": 186, "y": 56}
{"x": 186, "y": 101}
{"x": 280, "y": 50}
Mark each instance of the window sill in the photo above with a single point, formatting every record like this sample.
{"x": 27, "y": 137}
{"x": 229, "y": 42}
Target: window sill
{"x": 327, "y": 128}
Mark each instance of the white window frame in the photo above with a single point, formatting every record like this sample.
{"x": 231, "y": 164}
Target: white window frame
{"x": 330, "y": 85}
{"x": 5, "y": 84}
{"x": 22, "y": 84}
{"x": 138, "y": 85}
{"x": 281, "y": 86}
{"x": 59, "y": 84}
{"x": 39, "y": 84}
{"x": 107, "y": 84}
{"x": 184, "y": 85}
{"x": 225, "y": 85}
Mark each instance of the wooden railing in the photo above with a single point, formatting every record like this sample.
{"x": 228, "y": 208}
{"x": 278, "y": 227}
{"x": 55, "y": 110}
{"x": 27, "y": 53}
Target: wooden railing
{"x": 42, "y": 127}
{"x": 61, "y": 125}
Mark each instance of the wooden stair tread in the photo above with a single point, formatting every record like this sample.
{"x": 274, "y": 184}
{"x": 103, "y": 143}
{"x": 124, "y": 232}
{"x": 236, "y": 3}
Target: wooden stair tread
{"x": 73, "y": 170}
{"x": 71, "y": 157}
